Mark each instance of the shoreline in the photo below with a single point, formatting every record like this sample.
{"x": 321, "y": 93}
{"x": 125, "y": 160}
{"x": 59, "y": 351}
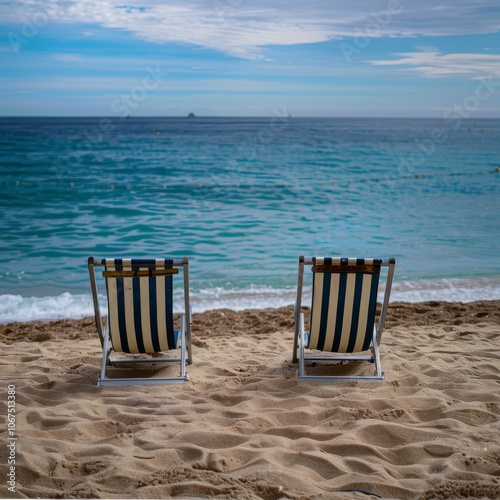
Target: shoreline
{"x": 19, "y": 308}
{"x": 244, "y": 427}
{"x": 217, "y": 321}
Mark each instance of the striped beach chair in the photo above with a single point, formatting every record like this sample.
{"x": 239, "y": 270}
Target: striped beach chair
{"x": 343, "y": 319}
{"x": 140, "y": 320}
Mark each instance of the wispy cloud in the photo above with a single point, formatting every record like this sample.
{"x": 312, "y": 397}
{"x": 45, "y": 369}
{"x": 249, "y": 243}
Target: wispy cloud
{"x": 433, "y": 64}
{"x": 243, "y": 29}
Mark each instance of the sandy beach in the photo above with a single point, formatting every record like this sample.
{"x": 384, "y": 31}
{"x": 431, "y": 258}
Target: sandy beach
{"x": 243, "y": 427}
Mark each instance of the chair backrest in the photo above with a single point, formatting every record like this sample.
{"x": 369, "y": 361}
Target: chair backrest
{"x": 140, "y": 304}
{"x": 344, "y": 302}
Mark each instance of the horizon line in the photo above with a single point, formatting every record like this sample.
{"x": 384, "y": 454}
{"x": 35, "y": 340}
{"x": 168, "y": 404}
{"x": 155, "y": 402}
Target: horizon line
{"x": 291, "y": 115}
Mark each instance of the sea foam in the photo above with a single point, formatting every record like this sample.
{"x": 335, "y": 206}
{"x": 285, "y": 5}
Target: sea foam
{"x": 67, "y": 305}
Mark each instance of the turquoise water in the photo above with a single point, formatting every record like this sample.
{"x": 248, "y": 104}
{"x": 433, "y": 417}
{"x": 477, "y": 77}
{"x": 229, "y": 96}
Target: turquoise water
{"x": 243, "y": 198}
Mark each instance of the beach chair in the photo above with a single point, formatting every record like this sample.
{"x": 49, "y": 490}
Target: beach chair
{"x": 343, "y": 324}
{"x": 140, "y": 322}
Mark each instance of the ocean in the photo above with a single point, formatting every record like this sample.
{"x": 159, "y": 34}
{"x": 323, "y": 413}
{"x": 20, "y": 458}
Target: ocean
{"x": 243, "y": 198}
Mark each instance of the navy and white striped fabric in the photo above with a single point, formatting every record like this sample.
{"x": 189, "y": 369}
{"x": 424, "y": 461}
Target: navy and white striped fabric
{"x": 140, "y": 312}
{"x": 343, "y": 304}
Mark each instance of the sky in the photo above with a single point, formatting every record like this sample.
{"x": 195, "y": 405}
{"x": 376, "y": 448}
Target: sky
{"x": 394, "y": 58}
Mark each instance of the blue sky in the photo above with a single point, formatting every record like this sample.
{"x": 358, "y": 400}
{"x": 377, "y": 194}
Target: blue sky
{"x": 247, "y": 57}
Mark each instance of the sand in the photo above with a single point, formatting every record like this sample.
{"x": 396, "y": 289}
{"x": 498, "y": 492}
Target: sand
{"x": 243, "y": 427}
